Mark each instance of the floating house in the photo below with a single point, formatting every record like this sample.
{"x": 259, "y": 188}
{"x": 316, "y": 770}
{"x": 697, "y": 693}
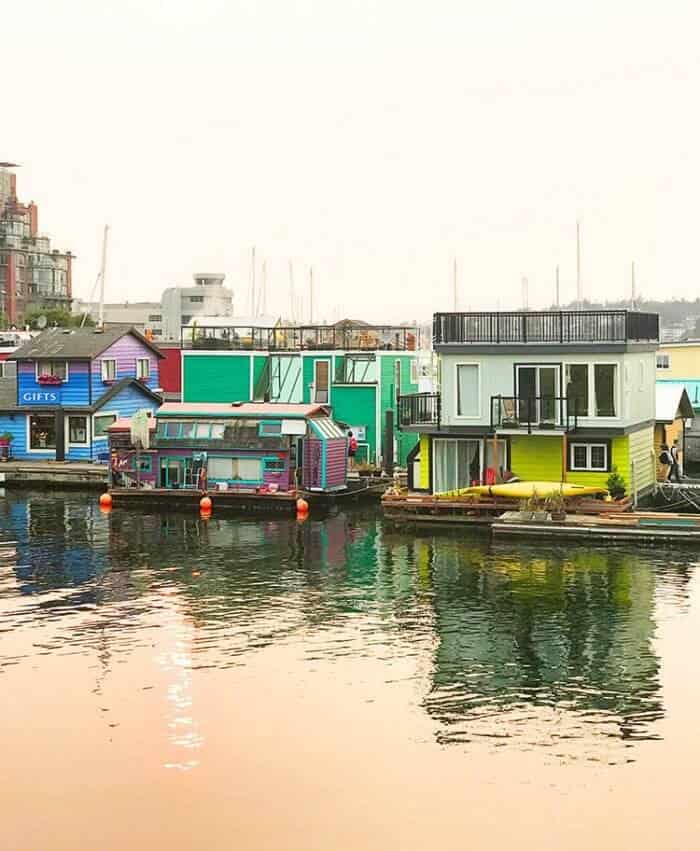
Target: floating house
{"x": 551, "y": 396}
{"x": 240, "y": 447}
{"x": 356, "y": 370}
{"x": 70, "y": 386}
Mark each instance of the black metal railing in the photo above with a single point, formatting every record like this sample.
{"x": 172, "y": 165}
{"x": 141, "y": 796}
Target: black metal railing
{"x": 533, "y": 413}
{"x": 301, "y": 338}
{"x": 419, "y": 409}
{"x": 564, "y": 326}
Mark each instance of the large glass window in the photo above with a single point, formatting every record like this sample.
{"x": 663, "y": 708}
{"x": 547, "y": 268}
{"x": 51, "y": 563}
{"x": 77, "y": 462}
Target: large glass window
{"x": 456, "y": 464}
{"x": 467, "y": 390}
{"x": 577, "y": 388}
{"x": 235, "y": 469}
{"x": 78, "y": 430}
{"x": 42, "y": 431}
{"x": 605, "y": 376}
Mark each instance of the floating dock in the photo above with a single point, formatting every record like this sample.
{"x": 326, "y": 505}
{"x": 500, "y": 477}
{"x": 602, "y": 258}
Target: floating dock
{"x": 54, "y": 474}
{"x": 635, "y": 525}
{"x": 186, "y": 500}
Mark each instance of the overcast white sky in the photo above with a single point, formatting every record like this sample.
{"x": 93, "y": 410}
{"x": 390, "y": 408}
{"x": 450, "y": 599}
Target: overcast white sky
{"x": 373, "y": 139}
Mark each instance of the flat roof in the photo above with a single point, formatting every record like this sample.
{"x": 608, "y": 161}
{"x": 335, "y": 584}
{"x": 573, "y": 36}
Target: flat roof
{"x": 243, "y": 409}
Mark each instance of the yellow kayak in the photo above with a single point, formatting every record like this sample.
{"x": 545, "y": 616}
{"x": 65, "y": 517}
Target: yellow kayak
{"x": 524, "y": 490}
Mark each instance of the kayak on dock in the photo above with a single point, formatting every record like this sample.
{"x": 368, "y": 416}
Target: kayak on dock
{"x": 525, "y": 490}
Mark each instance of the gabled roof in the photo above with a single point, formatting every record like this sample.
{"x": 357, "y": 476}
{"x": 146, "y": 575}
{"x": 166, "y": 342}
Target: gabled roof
{"x": 77, "y": 343}
{"x": 242, "y": 409}
{"x": 672, "y": 401}
{"x": 117, "y": 388}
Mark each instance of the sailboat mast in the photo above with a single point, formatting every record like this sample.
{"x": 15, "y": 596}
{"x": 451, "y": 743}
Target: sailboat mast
{"x": 103, "y": 272}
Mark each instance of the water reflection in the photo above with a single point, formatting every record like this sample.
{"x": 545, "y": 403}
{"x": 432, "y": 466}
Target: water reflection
{"x": 509, "y": 646}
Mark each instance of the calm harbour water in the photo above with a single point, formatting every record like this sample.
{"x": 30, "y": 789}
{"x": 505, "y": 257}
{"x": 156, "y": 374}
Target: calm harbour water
{"x": 169, "y": 682}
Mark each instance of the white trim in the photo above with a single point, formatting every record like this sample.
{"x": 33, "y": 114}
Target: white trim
{"x": 588, "y": 468}
{"x": 591, "y": 365}
{"x": 457, "y": 415}
{"x": 50, "y": 360}
{"x": 103, "y": 363}
{"x": 148, "y": 367}
{"x": 66, "y": 426}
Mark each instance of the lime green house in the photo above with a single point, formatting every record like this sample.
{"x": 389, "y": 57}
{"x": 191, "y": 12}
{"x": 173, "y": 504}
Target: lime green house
{"x": 359, "y": 371}
{"x": 552, "y": 396}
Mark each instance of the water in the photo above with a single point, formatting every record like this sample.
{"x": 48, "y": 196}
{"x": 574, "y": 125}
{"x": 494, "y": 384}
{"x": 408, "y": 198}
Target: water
{"x": 169, "y": 682}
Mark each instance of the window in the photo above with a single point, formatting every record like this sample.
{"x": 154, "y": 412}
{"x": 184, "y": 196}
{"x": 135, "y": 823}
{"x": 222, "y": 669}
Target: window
{"x": 577, "y": 388}
{"x": 467, "y": 390}
{"x": 202, "y": 430}
{"x": 321, "y": 378}
{"x": 54, "y": 368}
{"x": 143, "y": 367}
{"x": 605, "y": 378}
{"x": 77, "y": 430}
{"x": 591, "y": 457}
{"x": 144, "y": 463}
{"x": 414, "y": 371}
{"x": 663, "y": 361}
{"x": 271, "y": 428}
{"x": 218, "y": 431}
{"x": 235, "y": 469}
{"x": 274, "y": 465}
{"x": 456, "y": 464}
{"x": 155, "y": 317}
{"x": 42, "y": 432}
{"x": 109, "y": 369}
{"x": 101, "y": 422}
{"x": 197, "y": 299}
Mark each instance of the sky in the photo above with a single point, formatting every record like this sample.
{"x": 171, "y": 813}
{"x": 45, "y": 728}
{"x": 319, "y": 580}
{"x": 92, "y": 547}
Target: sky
{"x": 374, "y": 140}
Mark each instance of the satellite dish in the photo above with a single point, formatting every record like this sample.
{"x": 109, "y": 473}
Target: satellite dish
{"x": 41, "y": 322}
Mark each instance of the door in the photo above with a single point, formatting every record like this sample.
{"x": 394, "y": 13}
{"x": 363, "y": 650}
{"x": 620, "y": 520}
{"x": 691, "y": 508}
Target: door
{"x": 537, "y": 394}
{"x": 172, "y": 472}
{"x": 456, "y": 464}
{"x": 322, "y": 370}
{"x": 495, "y": 460}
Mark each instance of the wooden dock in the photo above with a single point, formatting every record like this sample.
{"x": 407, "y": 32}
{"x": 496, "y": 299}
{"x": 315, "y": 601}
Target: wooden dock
{"x": 427, "y": 508}
{"x": 54, "y": 474}
{"x": 646, "y": 526}
{"x": 188, "y": 500}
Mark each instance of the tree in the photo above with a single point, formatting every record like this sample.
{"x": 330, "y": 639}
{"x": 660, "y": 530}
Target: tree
{"x": 55, "y": 316}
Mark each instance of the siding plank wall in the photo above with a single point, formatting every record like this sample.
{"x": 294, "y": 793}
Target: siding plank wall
{"x": 126, "y": 352}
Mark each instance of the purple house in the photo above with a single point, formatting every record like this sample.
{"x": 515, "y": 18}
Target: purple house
{"x": 71, "y": 385}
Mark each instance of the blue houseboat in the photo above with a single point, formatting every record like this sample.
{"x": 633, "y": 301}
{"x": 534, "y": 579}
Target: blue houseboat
{"x": 70, "y": 386}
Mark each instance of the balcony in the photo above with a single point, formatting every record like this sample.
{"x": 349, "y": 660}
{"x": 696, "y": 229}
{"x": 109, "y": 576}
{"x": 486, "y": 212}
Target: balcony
{"x": 546, "y": 327}
{"x": 419, "y": 409}
{"x": 301, "y": 338}
{"x": 539, "y": 414}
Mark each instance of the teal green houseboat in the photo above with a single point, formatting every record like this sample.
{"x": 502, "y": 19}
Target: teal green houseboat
{"x": 358, "y": 371}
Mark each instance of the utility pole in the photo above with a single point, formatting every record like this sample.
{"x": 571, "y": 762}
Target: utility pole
{"x": 103, "y": 271}
{"x": 252, "y": 281}
{"x": 291, "y": 291}
{"x": 579, "y": 292}
{"x": 454, "y": 286}
{"x": 311, "y": 295}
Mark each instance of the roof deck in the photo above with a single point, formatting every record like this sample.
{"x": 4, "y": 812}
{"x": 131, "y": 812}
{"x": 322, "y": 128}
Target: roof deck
{"x": 295, "y": 338}
{"x": 563, "y": 327}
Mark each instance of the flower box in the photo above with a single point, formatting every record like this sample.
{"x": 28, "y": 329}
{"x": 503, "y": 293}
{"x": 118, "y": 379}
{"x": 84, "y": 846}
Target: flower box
{"x": 49, "y": 379}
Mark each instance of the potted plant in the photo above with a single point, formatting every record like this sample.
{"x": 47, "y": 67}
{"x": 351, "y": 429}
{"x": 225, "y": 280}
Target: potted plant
{"x": 557, "y": 506}
{"x": 47, "y": 378}
{"x": 538, "y": 508}
{"x": 616, "y": 484}
{"x": 524, "y": 509}
{"x": 6, "y": 438}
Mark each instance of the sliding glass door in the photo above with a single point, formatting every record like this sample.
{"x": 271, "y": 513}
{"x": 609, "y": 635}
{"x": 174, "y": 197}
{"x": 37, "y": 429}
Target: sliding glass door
{"x": 538, "y": 388}
{"x": 456, "y": 464}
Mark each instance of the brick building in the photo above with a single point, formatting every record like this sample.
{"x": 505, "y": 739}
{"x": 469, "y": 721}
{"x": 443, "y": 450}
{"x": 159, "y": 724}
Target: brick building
{"x": 32, "y": 274}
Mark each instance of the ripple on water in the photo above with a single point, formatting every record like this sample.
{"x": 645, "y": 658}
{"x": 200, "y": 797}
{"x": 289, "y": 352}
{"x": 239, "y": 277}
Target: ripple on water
{"x": 549, "y": 650}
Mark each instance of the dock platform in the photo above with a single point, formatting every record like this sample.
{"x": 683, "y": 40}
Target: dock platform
{"x": 646, "y": 526}
{"x": 54, "y": 474}
{"x": 189, "y": 500}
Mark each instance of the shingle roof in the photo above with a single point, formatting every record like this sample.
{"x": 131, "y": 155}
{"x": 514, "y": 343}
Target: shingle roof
{"x": 76, "y": 343}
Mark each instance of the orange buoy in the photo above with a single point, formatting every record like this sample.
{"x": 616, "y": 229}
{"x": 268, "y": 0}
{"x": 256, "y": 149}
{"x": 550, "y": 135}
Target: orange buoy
{"x": 302, "y": 506}
{"x": 106, "y": 500}
{"x": 205, "y": 503}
